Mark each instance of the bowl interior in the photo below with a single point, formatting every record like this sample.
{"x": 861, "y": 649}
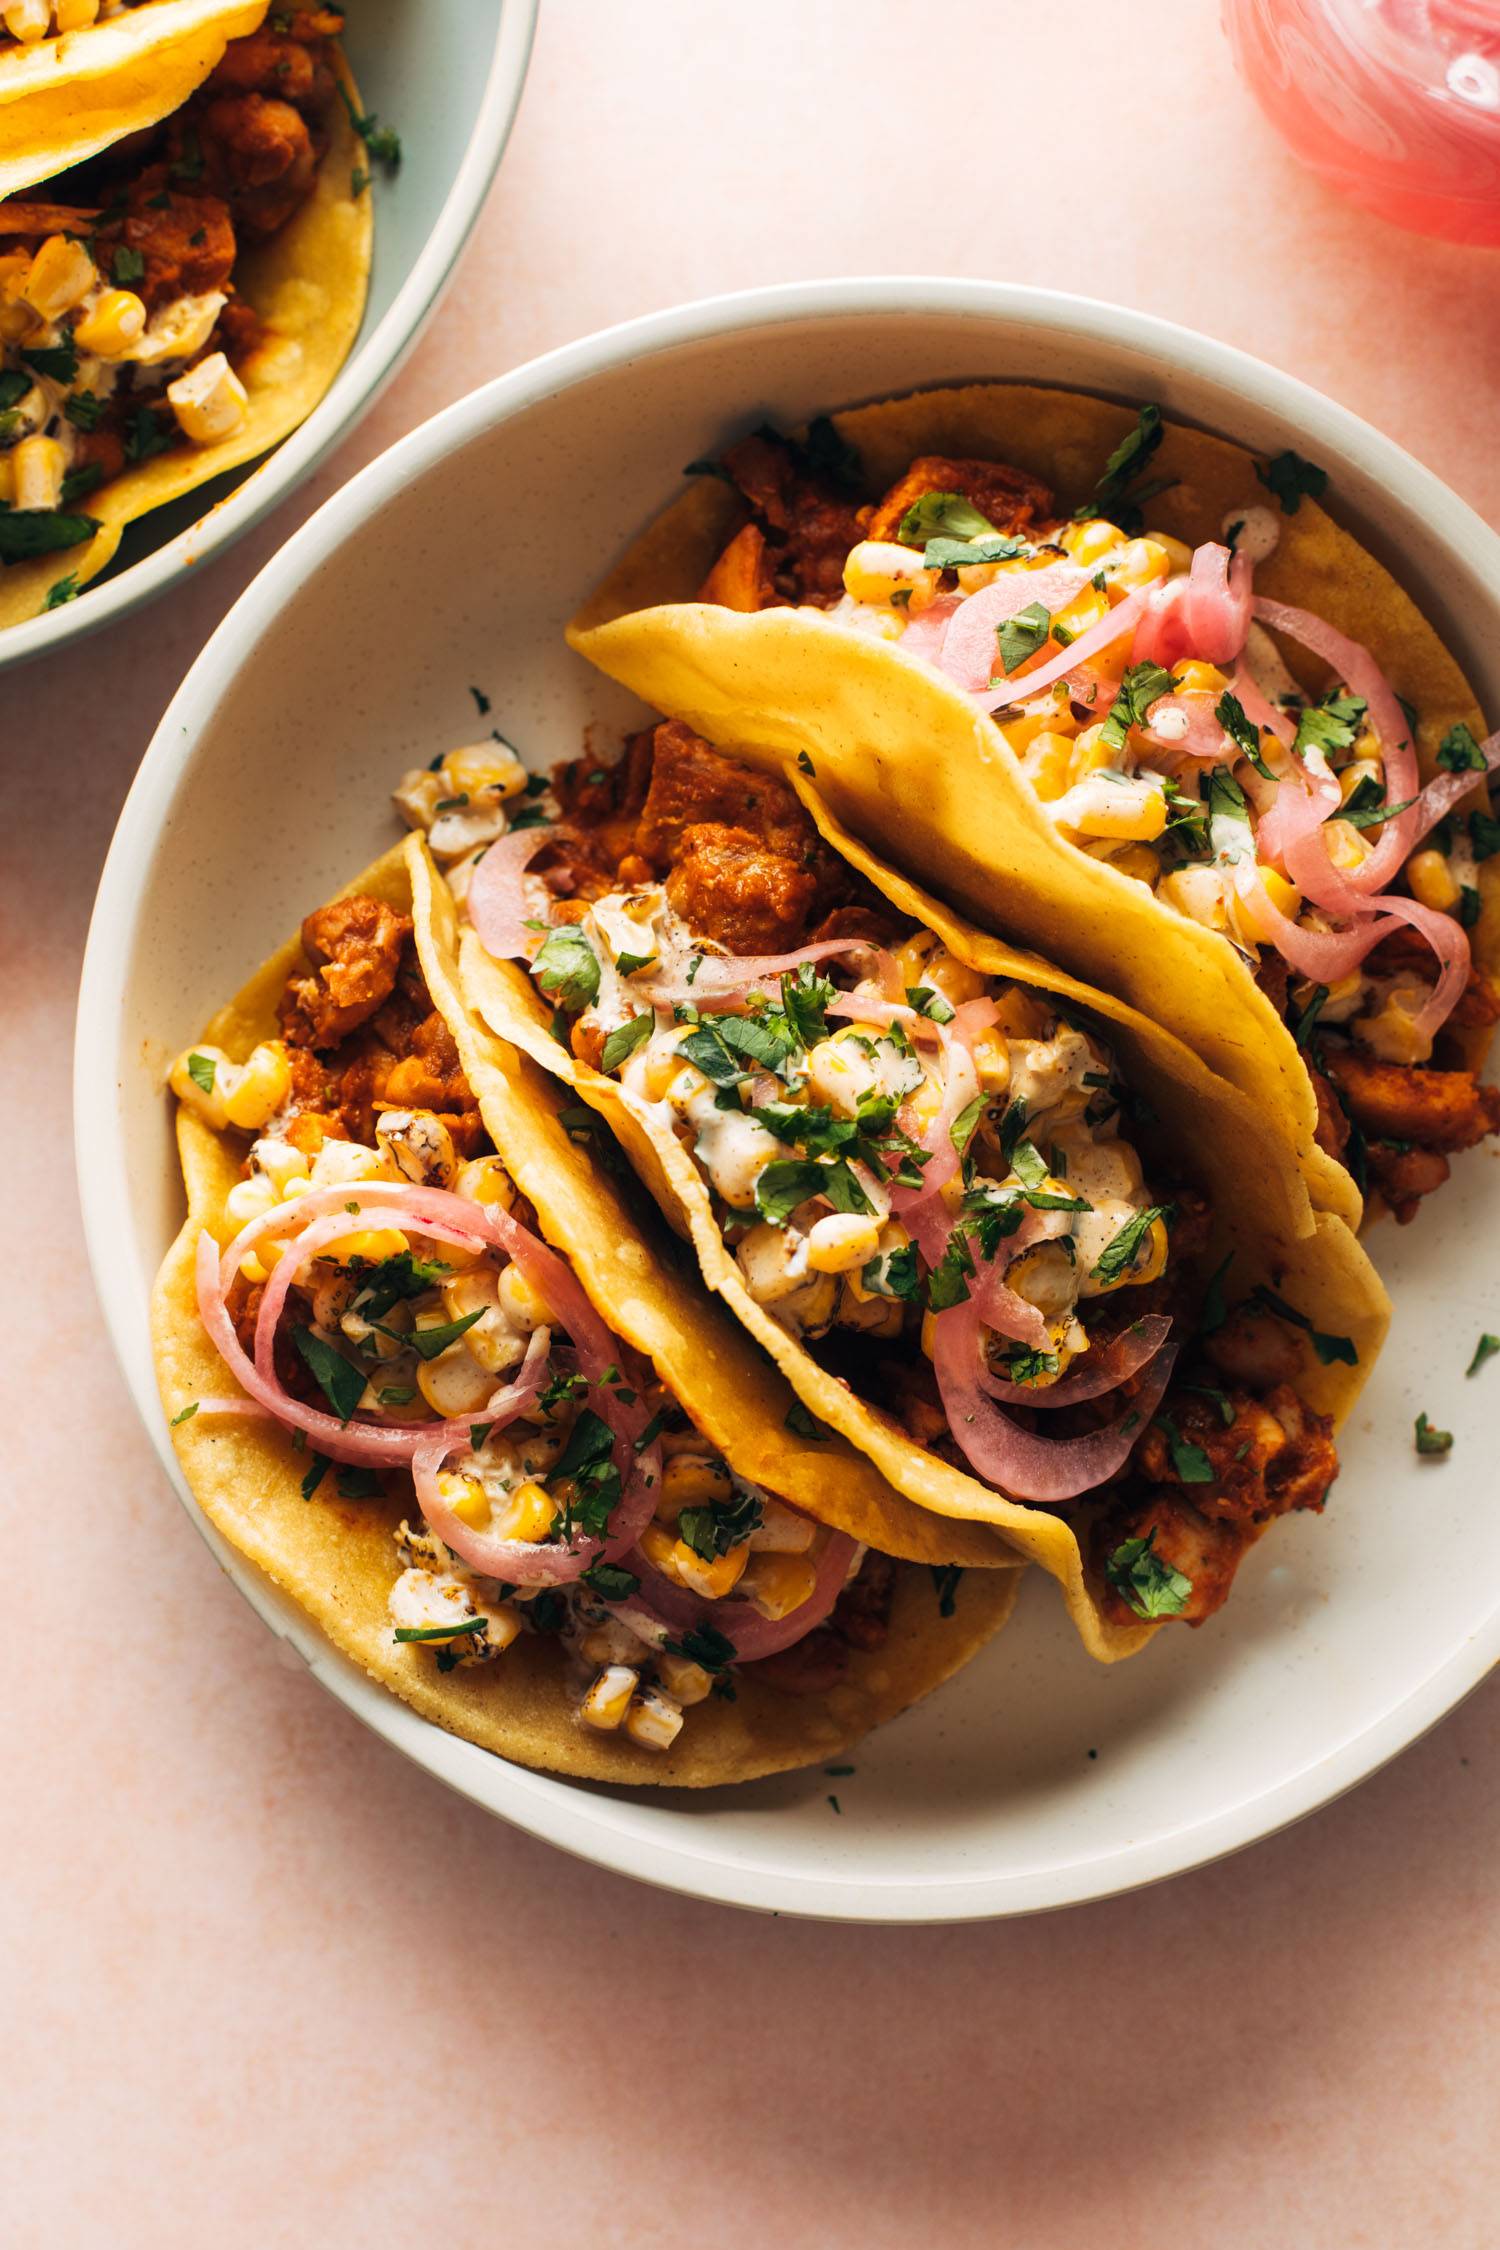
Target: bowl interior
{"x": 448, "y": 76}
{"x": 448, "y": 567}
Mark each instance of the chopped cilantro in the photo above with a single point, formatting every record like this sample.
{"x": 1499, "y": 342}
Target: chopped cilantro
{"x": 567, "y": 967}
{"x": 1121, "y": 1251}
{"x": 587, "y": 1466}
{"x": 1430, "y": 1441}
{"x": 704, "y": 1646}
{"x": 711, "y": 1531}
{"x": 190, "y": 1410}
{"x": 624, "y": 1040}
{"x": 127, "y": 266}
{"x": 789, "y": 1182}
{"x": 1214, "y": 1311}
{"x": 1362, "y": 811}
{"x": 341, "y": 1383}
{"x": 317, "y": 1470}
{"x": 893, "y": 1273}
{"x": 954, "y": 554}
{"x": 964, "y": 1126}
{"x": 1304, "y": 1024}
{"x": 1138, "y": 690}
{"x": 802, "y": 1424}
{"x": 929, "y": 1003}
{"x": 460, "y": 1629}
{"x": 939, "y": 514}
{"x": 1486, "y": 1348}
{"x": 430, "y": 1343}
{"x": 147, "y": 436}
{"x": 26, "y": 533}
{"x": 1117, "y": 495}
{"x": 84, "y": 410}
{"x": 1022, "y": 635}
{"x": 804, "y": 763}
{"x": 805, "y": 1000}
{"x": 1330, "y": 726}
{"x": 611, "y": 1581}
{"x": 382, "y": 141}
{"x": 1190, "y": 1463}
{"x": 1484, "y": 834}
{"x": 59, "y": 362}
{"x": 824, "y": 453}
{"x": 202, "y": 1070}
{"x": 1151, "y": 1586}
{"x": 1241, "y": 730}
{"x": 1291, "y": 480}
{"x": 1328, "y": 1348}
{"x": 1458, "y": 752}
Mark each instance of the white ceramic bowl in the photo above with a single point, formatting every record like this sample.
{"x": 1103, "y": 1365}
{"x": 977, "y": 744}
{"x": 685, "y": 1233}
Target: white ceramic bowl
{"x": 448, "y": 75}
{"x": 1037, "y": 1778}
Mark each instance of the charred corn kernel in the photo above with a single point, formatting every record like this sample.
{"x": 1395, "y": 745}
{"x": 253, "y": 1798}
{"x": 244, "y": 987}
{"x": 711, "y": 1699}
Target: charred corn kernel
{"x": 1045, "y": 1276}
{"x": 1354, "y": 775}
{"x": 1126, "y": 810}
{"x": 112, "y": 325}
{"x": 913, "y": 956}
{"x": 1083, "y": 611}
{"x": 953, "y": 978}
{"x": 72, "y": 15}
{"x": 27, "y": 20}
{"x": 522, "y": 1302}
{"x": 1089, "y": 542}
{"x": 373, "y": 1244}
{"x": 481, "y": 766}
{"x": 39, "y": 467}
{"x": 418, "y": 1145}
{"x": 453, "y": 1383}
{"x": 991, "y": 1057}
{"x": 653, "y": 1719}
{"x": 657, "y": 1544}
{"x": 683, "y": 1680}
{"x": 1048, "y": 761}
{"x": 529, "y": 1512}
{"x": 279, "y": 1161}
{"x": 1346, "y": 845}
{"x": 263, "y": 1085}
{"x": 608, "y": 1699}
{"x": 1390, "y": 1032}
{"x": 1196, "y": 678}
{"x": 842, "y": 1242}
{"x": 1049, "y": 717}
{"x": 1140, "y": 562}
{"x": 691, "y": 1481}
{"x": 778, "y": 1584}
{"x": 837, "y": 1072}
{"x": 209, "y": 401}
{"x": 878, "y": 569}
{"x": 250, "y": 1199}
{"x": 1197, "y": 892}
{"x": 1432, "y": 880}
{"x": 1245, "y": 913}
{"x": 485, "y": 1180}
{"x": 15, "y": 267}
{"x": 466, "y": 1497}
{"x": 1091, "y": 754}
{"x": 712, "y": 1579}
{"x": 62, "y": 274}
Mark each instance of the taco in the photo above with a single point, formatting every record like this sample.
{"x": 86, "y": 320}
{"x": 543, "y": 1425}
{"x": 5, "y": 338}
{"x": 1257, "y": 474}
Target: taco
{"x": 178, "y": 304}
{"x": 1017, "y": 632}
{"x": 76, "y": 75}
{"x": 573, "y": 1539}
{"x": 1009, "y": 1238}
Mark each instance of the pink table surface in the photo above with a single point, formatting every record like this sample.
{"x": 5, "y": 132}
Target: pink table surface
{"x": 266, "y": 1983}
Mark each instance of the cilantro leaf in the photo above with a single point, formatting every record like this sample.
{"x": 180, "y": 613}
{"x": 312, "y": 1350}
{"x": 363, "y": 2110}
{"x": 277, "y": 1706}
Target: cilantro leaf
{"x": 711, "y": 1531}
{"x": 202, "y": 1069}
{"x": 704, "y": 1646}
{"x": 802, "y": 1424}
{"x": 26, "y": 533}
{"x": 964, "y": 1126}
{"x": 342, "y": 1383}
{"x": 1430, "y": 1441}
{"x": 1138, "y": 690}
{"x": 460, "y": 1629}
{"x": 945, "y": 1578}
{"x": 191, "y": 1409}
{"x": 1022, "y": 635}
{"x": 429, "y": 1343}
{"x": 953, "y": 554}
{"x": 1486, "y": 1348}
{"x": 587, "y": 1465}
{"x": 1241, "y": 730}
{"x": 611, "y": 1581}
{"x": 1152, "y": 1586}
{"x": 929, "y": 1003}
{"x": 1458, "y": 752}
{"x": 624, "y": 1040}
{"x": 1331, "y": 725}
{"x": 805, "y": 999}
{"x": 1121, "y": 1251}
{"x": 1291, "y": 480}
{"x": 943, "y": 513}
{"x": 318, "y": 1469}
{"x": 893, "y": 1273}
{"x": 567, "y": 967}
{"x": 1191, "y": 1464}
{"x": 1328, "y": 1348}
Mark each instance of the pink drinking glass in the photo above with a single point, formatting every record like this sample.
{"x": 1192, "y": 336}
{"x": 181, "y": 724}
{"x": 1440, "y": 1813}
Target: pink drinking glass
{"x": 1394, "y": 102}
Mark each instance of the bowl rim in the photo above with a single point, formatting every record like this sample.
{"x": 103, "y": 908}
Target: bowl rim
{"x": 373, "y": 363}
{"x": 574, "y": 1818}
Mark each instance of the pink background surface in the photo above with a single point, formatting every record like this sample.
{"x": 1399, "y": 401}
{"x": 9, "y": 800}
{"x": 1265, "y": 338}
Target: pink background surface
{"x": 267, "y": 1984}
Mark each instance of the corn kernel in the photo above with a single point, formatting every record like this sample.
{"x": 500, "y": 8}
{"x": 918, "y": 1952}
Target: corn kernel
{"x": 197, "y": 1078}
{"x": 373, "y": 1244}
{"x": 453, "y": 1382}
{"x": 72, "y": 15}
{"x": 528, "y": 1513}
{"x": 608, "y": 1699}
{"x": 112, "y": 325}
{"x": 991, "y": 1058}
{"x": 929, "y": 1334}
{"x": 1091, "y": 753}
{"x": 1347, "y": 848}
{"x": 27, "y": 20}
{"x": 1140, "y": 562}
{"x": 953, "y": 978}
{"x": 481, "y": 766}
{"x": 1089, "y": 542}
{"x": 842, "y": 1242}
{"x": 62, "y": 274}
{"x": 657, "y": 1545}
{"x": 485, "y": 1180}
{"x": 690, "y": 1481}
{"x": 418, "y": 1145}
{"x": 39, "y": 470}
{"x": 878, "y": 569}
{"x": 778, "y": 1584}
{"x": 683, "y": 1680}
{"x": 1432, "y": 880}
{"x": 263, "y": 1085}
{"x": 712, "y": 1579}
{"x": 1284, "y": 896}
{"x": 1195, "y": 678}
{"x": 1049, "y": 717}
{"x": 1124, "y": 810}
{"x": 659, "y": 1068}
{"x": 653, "y": 1720}
{"x": 15, "y": 267}
{"x": 1138, "y": 861}
{"x": 1356, "y": 773}
{"x": 1048, "y": 761}
{"x": 466, "y": 1497}
{"x": 209, "y": 401}
{"x": 1078, "y": 616}
{"x": 522, "y": 1302}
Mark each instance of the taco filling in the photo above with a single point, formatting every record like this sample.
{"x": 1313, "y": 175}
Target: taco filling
{"x": 1137, "y": 681}
{"x": 384, "y": 1298}
{"x": 122, "y": 333}
{"x": 933, "y": 1179}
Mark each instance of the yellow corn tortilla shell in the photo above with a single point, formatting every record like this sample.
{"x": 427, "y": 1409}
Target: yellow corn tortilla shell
{"x": 308, "y": 283}
{"x": 904, "y": 760}
{"x": 338, "y": 1558}
{"x": 1261, "y": 1213}
{"x": 68, "y": 97}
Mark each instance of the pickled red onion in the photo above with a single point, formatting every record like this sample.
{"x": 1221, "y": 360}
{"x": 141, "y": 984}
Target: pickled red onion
{"x": 925, "y": 634}
{"x": 922, "y": 1210}
{"x": 1016, "y": 1461}
{"x": 724, "y": 976}
{"x": 752, "y": 1635}
{"x": 1202, "y": 734}
{"x": 969, "y": 652}
{"x": 1075, "y": 657}
{"x": 1100, "y": 1370}
{"x": 1328, "y": 955}
{"x": 496, "y": 899}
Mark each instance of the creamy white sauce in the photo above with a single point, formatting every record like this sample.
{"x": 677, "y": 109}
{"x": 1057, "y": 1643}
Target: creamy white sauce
{"x": 1258, "y": 533}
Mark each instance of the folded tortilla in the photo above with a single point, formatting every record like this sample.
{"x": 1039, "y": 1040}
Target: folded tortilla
{"x": 338, "y": 1558}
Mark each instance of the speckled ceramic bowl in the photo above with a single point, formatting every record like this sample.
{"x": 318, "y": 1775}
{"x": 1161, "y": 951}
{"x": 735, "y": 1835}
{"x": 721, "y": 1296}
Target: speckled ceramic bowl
{"x": 1037, "y": 1778}
{"x": 448, "y": 74}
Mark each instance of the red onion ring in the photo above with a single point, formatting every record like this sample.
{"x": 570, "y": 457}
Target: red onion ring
{"x": 1099, "y": 1371}
{"x": 968, "y": 653}
{"x": 925, "y": 634}
{"x": 1016, "y": 1461}
{"x": 659, "y": 1602}
{"x": 496, "y": 902}
{"x": 1076, "y": 657}
{"x": 922, "y": 1210}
